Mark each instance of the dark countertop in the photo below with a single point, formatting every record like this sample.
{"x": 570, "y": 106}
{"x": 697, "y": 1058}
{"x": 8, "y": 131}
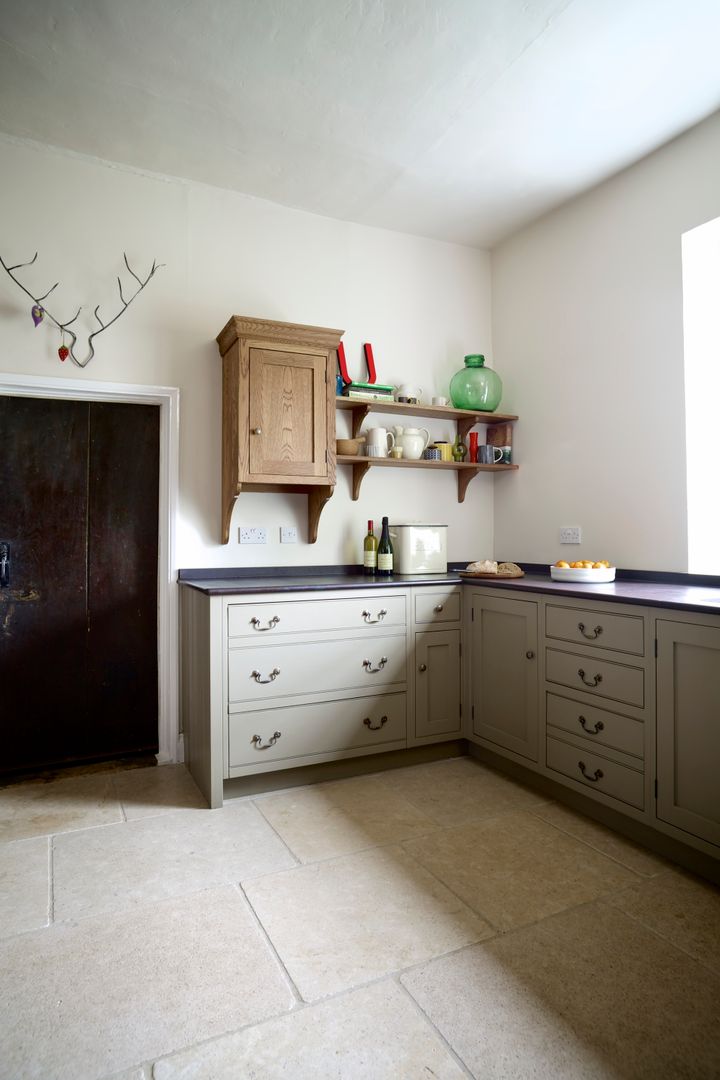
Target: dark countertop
{"x": 665, "y": 594}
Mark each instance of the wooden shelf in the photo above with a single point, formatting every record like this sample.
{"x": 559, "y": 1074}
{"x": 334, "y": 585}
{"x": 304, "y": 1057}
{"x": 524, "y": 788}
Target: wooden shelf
{"x": 464, "y": 418}
{"x": 465, "y": 471}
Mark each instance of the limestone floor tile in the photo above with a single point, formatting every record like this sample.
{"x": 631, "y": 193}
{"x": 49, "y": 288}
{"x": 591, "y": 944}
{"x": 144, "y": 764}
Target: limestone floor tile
{"x": 460, "y": 791}
{"x": 516, "y": 869}
{"x": 375, "y": 1033}
{"x": 156, "y": 790}
{"x": 137, "y": 862}
{"x": 680, "y": 907}
{"x": 610, "y": 843}
{"x": 94, "y": 998}
{"x": 339, "y": 817}
{"x": 588, "y": 994}
{"x": 346, "y": 921}
{"x": 39, "y": 807}
{"x": 24, "y": 885}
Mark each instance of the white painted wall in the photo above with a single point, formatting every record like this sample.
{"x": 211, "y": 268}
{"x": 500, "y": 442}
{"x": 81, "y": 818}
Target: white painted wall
{"x": 423, "y": 304}
{"x": 588, "y": 334}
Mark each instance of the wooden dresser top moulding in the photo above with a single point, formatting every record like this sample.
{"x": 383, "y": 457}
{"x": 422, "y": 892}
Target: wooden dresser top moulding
{"x": 278, "y": 394}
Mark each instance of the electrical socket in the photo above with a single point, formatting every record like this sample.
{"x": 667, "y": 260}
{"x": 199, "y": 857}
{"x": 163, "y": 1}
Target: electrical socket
{"x": 570, "y": 534}
{"x": 253, "y": 534}
{"x": 288, "y": 534}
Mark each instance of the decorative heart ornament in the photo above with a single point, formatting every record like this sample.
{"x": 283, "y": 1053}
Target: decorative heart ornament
{"x": 37, "y": 314}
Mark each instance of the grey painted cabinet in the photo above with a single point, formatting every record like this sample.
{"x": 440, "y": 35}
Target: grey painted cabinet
{"x": 437, "y": 683}
{"x": 504, "y": 672}
{"x": 688, "y": 729}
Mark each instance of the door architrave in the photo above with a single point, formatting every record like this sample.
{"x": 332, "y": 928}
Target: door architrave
{"x": 170, "y": 743}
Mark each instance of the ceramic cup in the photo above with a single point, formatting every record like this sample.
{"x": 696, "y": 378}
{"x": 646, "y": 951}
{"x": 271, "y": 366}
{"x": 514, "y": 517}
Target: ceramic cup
{"x": 489, "y": 455}
{"x": 445, "y": 449}
{"x": 439, "y": 401}
{"x": 507, "y": 455}
{"x": 396, "y": 452}
{"x": 432, "y": 454}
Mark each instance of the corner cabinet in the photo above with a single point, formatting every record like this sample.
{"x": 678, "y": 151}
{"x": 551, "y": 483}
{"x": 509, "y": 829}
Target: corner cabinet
{"x": 278, "y": 426}
{"x": 463, "y": 419}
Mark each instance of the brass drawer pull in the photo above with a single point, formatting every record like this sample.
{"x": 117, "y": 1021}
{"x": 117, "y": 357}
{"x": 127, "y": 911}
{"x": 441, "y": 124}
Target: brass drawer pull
{"x": 367, "y": 615}
{"x": 598, "y": 773}
{"x": 439, "y": 608}
{"x": 595, "y": 681}
{"x": 591, "y": 637}
{"x": 591, "y": 731}
{"x": 271, "y": 623}
{"x": 258, "y": 743}
{"x": 374, "y": 727}
{"x": 258, "y": 677}
{"x": 367, "y": 664}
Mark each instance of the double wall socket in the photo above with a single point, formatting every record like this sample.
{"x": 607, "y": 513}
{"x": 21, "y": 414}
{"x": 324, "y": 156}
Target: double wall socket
{"x": 253, "y": 534}
{"x": 570, "y": 534}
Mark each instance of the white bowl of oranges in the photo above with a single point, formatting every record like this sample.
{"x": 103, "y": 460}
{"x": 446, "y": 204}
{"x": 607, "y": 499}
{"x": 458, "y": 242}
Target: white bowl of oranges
{"x": 586, "y": 570}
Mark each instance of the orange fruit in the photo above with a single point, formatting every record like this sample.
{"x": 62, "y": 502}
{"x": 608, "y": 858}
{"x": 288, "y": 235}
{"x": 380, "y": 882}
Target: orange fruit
{"x": 598, "y": 566}
{"x": 562, "y": 564}
{"x": 586, "y": 564}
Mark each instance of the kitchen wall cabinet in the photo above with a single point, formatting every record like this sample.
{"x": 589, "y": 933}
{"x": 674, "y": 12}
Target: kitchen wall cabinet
{"x": 688, "y": 716}
{"x": 504, "y": 672}
{"x": 278, "y": 412}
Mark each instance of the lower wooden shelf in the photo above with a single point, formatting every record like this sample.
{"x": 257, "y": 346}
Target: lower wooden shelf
{"x": 465, "y": 470}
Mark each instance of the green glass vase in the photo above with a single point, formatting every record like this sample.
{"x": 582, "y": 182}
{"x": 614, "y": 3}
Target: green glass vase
{"x": 475, "y": 386}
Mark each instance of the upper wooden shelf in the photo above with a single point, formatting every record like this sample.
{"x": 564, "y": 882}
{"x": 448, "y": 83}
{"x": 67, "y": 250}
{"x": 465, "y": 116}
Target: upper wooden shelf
{"x": 464, "y": 418}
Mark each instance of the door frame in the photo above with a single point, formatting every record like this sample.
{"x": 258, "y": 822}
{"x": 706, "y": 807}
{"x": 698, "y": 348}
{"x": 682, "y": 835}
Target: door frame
{"x": 170, "y": 743}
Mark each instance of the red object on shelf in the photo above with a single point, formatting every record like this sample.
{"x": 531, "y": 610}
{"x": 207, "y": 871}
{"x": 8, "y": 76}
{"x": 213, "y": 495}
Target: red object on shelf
{"x": 342, "y": 364}
{"x": 370, "y": 359}
{"x": 473, "y": 446}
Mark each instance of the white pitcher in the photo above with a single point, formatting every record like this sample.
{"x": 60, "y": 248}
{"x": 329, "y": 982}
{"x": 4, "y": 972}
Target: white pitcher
{"x": 379, "y": 442}
{"x": 413, "y": 441}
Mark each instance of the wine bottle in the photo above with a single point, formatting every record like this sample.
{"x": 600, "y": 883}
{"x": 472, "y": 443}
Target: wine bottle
{"x": 370, "y": 550}
{"x": 385, "y": 551}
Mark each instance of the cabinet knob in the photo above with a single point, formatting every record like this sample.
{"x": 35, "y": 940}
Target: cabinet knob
{"x": 422, "y": 667}
{"x": 530, "y": 654}
{"x": 257, "y": 431}
{"x": 438, "y": 608}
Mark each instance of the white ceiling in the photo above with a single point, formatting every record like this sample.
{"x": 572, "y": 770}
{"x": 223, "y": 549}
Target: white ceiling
{"x": 457, "y": 119}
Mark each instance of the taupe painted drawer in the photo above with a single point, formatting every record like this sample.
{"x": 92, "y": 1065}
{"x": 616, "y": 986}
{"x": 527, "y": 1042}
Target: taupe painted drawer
{"x": 596, "y": 675}
{"x": 285, "y": 668}
{"x": 623, "y": 633}
{"x": 267, "y": 619}
{"x": 596, "y": 725}
{"x": 437, "y": 606}
{"x": 265, "y": 735}
{"x": 597, "y": 772}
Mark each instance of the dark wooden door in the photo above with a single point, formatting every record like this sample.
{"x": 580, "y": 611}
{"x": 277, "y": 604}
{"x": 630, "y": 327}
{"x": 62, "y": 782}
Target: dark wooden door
{"x": 78, "y": 618}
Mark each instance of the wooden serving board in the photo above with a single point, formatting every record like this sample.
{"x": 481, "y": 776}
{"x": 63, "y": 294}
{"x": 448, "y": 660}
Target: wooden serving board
{"x": 495, "y": 577}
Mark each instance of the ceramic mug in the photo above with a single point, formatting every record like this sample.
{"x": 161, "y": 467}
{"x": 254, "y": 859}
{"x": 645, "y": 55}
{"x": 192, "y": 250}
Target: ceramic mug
{"x": 489, "y": 455}
{"x": 445, "y": 450}
{"x": 439, "y": 401}
{"x": 507, "y": 455}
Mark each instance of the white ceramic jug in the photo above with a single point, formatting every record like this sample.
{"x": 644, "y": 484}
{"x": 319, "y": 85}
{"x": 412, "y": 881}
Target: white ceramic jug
{"x": 379, "y": 442}
{"x": 413, "y": 441}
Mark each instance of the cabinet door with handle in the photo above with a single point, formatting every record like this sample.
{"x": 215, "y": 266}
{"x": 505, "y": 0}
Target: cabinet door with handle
{"x": 288, "y": 415}
{"x": 504, "y": 672}
{"x": 437, "y": 683}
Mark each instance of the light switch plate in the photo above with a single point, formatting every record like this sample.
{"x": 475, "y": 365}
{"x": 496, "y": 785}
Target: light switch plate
{"x": 570, "y": 534}
{"x": 253, "y": 534}
{"x": 288, "y": 534}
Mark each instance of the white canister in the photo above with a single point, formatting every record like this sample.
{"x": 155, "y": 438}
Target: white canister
{"x": 419, "y": 549}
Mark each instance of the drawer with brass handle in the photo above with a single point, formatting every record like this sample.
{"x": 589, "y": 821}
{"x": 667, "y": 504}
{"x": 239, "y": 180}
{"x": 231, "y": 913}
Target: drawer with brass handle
{"x": 285, "y": 668}
{"x": 600, "y": 726}
{"x": 602, "y": 629}
{"x": 596, "y": 675}
{"x": 269, "y": 619}
{"x": 437, "y": 605}
{"x": 597, "y": 772}
{"x": 263, "y": 737}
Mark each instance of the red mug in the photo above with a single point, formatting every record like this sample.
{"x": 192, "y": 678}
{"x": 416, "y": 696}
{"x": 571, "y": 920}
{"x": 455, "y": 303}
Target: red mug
{"x": 473, "y": 446}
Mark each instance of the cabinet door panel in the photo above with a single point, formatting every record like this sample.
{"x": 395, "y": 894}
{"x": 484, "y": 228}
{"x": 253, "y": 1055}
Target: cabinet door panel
{"x": 504, "y": 677}
{"x": 688, "y": 732}
{"x": 287, "y": 414}
{"x": 437, "y": 683}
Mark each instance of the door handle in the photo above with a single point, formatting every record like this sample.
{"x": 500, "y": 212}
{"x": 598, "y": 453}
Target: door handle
{"x": 4, "y": 564}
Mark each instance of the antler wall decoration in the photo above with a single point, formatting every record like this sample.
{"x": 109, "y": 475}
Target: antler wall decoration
{"x": 39, "y": 311}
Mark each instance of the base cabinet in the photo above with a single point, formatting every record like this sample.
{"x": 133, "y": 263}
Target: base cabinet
{"x": 437, "y": 683}
{"x": 688, "y": 739}
{"x": 504, "y": 675}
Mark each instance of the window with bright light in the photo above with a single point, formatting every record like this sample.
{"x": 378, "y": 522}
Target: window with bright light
{"x": 701, "y": 317}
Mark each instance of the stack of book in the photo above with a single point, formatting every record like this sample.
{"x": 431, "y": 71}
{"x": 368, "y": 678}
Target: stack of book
{"x": 364, "y": 391}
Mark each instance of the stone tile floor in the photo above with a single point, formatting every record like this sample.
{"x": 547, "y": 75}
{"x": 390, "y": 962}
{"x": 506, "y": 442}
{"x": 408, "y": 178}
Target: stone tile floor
{"x": 439, "y": 921}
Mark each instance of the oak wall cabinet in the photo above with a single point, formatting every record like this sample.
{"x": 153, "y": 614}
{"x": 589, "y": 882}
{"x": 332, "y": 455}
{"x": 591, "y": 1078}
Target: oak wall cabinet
{"x": 278, "y": 410}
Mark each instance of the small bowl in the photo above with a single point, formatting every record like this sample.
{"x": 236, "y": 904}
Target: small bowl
{"x": 348, "y": 447}
{"x": 396, "y": 452}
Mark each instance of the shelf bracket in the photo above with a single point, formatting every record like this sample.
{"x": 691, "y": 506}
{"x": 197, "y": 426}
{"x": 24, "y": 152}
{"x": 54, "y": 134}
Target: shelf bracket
{"x": 464, "y": 477}
{"x": 359, "y": 414}
{"x": 317, "y": 497}
{"x": 463, "y": 427}
{"x": 359, "y": 471}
